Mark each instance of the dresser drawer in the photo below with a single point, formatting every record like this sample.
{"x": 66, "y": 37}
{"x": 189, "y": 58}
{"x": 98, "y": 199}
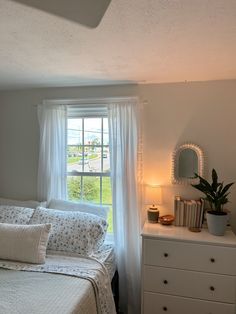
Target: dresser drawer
{"x": 154, "y": 303}
{"x": 192, "y": 284}
{"x": 192, "y": 256}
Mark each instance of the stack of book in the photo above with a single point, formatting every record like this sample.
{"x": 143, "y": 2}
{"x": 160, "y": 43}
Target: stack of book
{"x": 188, "y": 213}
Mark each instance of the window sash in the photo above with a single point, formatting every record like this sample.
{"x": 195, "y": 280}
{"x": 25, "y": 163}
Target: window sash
{"x": 88, "y": 174}
{"x": 86, "y": 112}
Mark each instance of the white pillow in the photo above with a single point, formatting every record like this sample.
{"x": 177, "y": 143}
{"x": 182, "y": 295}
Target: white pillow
{"x": 15, "y": 214}
{"x": 74, "y": 232}
{"x": 28, "y": 204}
{"x": 24, "y": 243}
{"x": 98, "y": 210}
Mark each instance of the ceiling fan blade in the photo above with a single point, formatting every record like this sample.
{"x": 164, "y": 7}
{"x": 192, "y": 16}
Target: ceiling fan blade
{"x": 85, "y": 12}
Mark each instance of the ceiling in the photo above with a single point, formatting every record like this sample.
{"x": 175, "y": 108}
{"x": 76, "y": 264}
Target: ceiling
{"x": 143, "y": 41}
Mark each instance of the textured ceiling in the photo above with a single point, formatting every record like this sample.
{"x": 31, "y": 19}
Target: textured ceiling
{"x": 137, "y": 41}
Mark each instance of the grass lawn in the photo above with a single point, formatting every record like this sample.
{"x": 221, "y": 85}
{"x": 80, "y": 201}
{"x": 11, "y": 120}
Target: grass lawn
{"x": 106, "y": 199}
{"x": 72, "y": 160}
{"x": 109, "y": 220}
{"x": 92, "y": 193}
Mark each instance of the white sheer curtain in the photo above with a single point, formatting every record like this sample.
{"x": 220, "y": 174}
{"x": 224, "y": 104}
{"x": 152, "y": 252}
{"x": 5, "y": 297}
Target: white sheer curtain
{"x": 123, "y": 129}
{"x": 52, "y": 152}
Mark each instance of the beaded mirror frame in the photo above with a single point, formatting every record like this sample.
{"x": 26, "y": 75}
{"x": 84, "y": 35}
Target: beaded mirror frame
{"x": 175, "y": 163}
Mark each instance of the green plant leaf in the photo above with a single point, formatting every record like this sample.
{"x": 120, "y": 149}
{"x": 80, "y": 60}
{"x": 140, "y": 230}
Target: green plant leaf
{"x": 207, "y": 187}
{"x": 226, "y": 188}
{"x": 215, "y": 193}
{"x": 220, "y": 187}
{"x": 214, "y": 180}
{"x": 203, "y": 189}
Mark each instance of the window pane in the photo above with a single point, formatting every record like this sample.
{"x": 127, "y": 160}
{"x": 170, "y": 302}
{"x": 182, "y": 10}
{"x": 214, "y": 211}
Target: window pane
{"x": 110, "y": 221}
{"x": 91, "y": 189}
{"x": 105, "y": 132}
{"x": 88, "y": 151}
{"x": 106, "y": 159}
{"x": 74, "y": 188}
{"x": 93, "y": 155}
{"x": 74, "y": 132}
{"x": 106, "y": 191}
{"x": 92, "y": 131}
{"x": 74, "y": 157}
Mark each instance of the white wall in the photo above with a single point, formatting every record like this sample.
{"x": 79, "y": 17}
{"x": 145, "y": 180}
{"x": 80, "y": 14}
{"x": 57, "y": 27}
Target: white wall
{"x": 202, "y": 113}
{"x": 19, "y": 134}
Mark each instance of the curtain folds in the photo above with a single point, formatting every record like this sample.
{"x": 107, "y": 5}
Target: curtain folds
{"x": 125, "y": 177}
{"x": 126, "y": 173}
{"x": 52, "y": 152}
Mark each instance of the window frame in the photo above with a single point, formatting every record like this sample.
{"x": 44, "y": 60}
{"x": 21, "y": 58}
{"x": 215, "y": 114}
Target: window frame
{"x": 82, "y": 173}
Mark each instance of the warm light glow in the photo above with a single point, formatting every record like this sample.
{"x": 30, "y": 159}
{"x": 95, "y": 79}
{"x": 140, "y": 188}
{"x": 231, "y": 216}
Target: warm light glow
{"x": 153, "y": 195}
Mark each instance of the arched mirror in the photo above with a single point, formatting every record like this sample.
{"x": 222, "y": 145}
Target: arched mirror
{"x": 187, "y": 160}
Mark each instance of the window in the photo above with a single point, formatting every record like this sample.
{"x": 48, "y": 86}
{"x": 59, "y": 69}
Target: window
{"x": 88, "y": 160}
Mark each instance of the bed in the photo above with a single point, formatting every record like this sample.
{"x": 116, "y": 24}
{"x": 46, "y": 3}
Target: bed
{"x": 65, "y": 283}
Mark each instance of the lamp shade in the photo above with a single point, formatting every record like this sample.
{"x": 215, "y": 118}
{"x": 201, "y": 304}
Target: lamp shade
{"x": 153, "y": 195}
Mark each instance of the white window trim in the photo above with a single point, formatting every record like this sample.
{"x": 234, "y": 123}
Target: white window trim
{"x": 100, "y": 174}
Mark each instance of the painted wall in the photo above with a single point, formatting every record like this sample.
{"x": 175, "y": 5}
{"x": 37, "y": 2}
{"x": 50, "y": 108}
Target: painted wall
{"x": 203, "y": 113}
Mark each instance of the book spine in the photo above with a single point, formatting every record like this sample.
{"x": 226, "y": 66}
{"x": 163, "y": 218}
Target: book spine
{"x": 176, "y": 210}
{"x": 202, "y": 211}
{"x": 181, "y": 213}
{"x": 188, "y": 213}
{"x": 194, "y": 204}
{"x": 199, "y": 209}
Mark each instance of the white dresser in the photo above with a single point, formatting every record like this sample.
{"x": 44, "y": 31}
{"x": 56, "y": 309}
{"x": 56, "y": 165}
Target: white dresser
{"x": 187, "y": 273}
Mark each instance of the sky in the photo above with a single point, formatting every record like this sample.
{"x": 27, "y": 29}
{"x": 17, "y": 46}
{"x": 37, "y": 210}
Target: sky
{"x": 92, "y": 131}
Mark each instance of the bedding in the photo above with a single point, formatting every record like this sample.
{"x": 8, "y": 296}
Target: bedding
{"x": 28, "y": 204}
{"x": 106, "y": 255}
{"x": 89, "y": 208}
{"x": 26, "y": 243}
{"x": 76, "y": 276}
{"x": 15, "y": 215}
{"x": 63, "y": 285}
{"x": 75, "y": 232}
{"x": 42, "y": 293}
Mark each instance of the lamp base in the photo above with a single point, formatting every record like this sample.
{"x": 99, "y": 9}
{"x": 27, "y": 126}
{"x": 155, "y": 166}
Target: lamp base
{"x": 153, "y": 214}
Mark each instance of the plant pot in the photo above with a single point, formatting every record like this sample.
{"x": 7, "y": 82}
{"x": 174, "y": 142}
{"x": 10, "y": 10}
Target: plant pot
{"x": 217, "y": 222}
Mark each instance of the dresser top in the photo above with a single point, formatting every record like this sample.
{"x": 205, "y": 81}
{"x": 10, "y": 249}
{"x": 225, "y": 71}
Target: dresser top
{"x": 162, "y": 232}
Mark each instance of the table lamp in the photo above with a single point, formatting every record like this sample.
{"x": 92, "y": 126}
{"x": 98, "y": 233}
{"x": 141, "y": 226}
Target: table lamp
{"x": 153, "y": 197}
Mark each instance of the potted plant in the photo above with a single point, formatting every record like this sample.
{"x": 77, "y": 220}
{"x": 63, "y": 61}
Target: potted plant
{"x": 216, "y": 193}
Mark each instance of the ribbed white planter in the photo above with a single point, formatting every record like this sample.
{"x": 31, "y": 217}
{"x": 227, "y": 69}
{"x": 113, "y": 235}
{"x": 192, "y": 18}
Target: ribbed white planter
{"x": 217, "y": 223}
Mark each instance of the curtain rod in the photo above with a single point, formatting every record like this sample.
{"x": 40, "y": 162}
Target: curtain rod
{"x": 87, "y": 101}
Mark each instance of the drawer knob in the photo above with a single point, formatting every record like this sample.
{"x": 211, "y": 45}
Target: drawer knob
{"x": 212, "y": 260}
{"x": 212, "y": 288}
{"x": 164, "y": 308}
{"x": 165, "y": 282}
{"x": 166, "y": 254}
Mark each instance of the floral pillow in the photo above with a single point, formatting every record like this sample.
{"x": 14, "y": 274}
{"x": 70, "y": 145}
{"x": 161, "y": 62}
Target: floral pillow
{"x": 75, "y": 232}
{"x": 15, "y": 215}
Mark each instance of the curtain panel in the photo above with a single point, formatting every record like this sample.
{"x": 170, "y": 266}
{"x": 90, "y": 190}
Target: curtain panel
{"x": 125, "y": 176}
{"x": 52, "y": 152}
